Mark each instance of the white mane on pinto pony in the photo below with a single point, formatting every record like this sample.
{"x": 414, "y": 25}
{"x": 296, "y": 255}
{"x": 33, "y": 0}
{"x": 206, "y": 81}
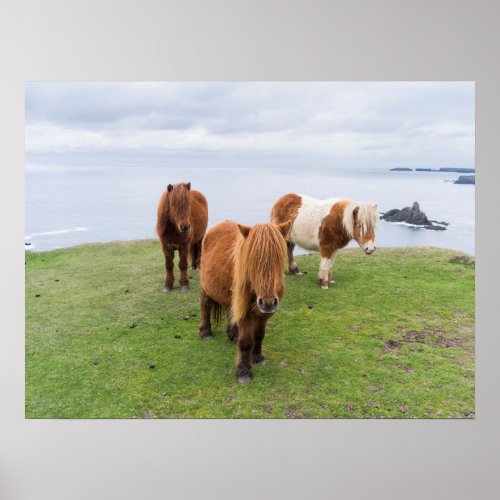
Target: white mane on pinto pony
{"x": 367, "y": 215}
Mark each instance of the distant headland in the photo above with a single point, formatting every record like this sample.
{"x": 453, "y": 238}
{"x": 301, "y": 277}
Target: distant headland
{"x": 460, "y": 170}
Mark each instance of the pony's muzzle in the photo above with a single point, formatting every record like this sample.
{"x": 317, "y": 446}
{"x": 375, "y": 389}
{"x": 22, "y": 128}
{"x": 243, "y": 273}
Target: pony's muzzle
{"x": 267, "y": 306}
{"x": 184, "y": 228}
{"x": 368, "y": 247}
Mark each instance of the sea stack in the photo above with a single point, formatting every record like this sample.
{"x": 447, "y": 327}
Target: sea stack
{"x": 466, "y": 179}
{"x": 412, "y": 215}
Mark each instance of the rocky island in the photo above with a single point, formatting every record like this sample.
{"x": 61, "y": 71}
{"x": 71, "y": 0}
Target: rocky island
{"x": 466, "y": 179}
{"x": 414, "y": 216}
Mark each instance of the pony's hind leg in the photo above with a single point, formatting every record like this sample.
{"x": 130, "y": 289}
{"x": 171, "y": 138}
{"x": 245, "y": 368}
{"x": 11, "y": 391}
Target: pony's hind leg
{"x": 198, "y": 254}
{"x": 206, "y": 308}
{"x": 195, "y": 260}
{"x": 292, "y": 265}
{"x": 183, "y": 265}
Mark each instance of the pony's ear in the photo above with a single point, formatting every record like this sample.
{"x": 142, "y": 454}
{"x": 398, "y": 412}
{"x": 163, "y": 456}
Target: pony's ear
{"x": 285, "y": 228}
{"x": 170, "y": 187}
{"x": 374, "y": 206}
{"x": 188, "y": 185}
{"x": 355, "y": 214}
{"x": 244, "y": 230}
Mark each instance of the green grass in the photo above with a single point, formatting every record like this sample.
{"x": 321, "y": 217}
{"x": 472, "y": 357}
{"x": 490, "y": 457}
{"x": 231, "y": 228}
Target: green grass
{"x": 394, "y": 338}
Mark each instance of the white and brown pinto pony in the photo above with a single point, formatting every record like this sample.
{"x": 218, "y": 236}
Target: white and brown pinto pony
{"x": 327, "y": 226}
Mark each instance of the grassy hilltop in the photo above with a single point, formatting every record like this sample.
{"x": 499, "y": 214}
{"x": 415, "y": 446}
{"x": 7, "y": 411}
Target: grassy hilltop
{"x": 393, "y": 338}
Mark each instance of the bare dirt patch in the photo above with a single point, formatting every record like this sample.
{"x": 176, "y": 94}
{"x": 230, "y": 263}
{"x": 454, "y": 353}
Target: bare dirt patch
{"x": 375, "y": 388}
{"x": 405, "y": 368}
{"x": 434, "y": 337}
{"x": 463, "y": 259}
{"x": 392, "y": 345}
{"x": 296, "y": 414}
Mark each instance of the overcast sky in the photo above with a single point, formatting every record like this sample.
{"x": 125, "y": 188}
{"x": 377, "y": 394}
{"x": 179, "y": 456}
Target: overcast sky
{"x": 343, "y": 124}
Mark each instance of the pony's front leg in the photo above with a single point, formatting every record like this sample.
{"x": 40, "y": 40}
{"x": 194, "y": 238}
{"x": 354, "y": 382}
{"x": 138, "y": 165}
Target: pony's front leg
{"x": 183, "y": 265}
{"x": 205, "y": 324}
{"x": 292, "y": 265}
{"x": 168, "y": 250}
{"x": 232, "y": 329}
{"x": 245, "y": 346}
{"x": 257, "y": 357}
{"x": 324, "y": 274}
{"x": 330, "y": 277}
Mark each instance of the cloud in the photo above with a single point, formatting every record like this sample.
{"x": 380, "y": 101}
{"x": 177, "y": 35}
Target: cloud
{"x": 331, "y": 123}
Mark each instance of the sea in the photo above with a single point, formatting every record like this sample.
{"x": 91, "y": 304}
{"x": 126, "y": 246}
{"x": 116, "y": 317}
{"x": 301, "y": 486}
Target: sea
{"x": 68, "y": 206}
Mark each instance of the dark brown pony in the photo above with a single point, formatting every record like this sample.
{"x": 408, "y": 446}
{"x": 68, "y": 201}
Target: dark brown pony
{"x": 242, "y": 270}
{"x": 182, "y": 222}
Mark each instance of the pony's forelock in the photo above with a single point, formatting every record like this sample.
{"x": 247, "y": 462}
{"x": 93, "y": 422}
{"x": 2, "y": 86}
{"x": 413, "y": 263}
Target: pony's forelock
{"x": 367, "y": 217}
{"x": 178, "y": 201}
{"x": 259, "y": 265}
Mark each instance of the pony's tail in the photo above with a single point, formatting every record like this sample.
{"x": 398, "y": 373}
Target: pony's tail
{"x": 216, "y": 313}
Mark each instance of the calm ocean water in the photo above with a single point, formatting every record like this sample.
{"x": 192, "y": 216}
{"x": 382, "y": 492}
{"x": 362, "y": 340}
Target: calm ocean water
{"x": 70, "y": 206}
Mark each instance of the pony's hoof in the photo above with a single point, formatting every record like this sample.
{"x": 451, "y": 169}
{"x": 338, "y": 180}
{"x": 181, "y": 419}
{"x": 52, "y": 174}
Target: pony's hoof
{"x": 333, "y": 282}
{"x": 206, "y": 334}
{"x": 184, "y": 288}
{"x": 167, "y": 289}
{"x": 259, "y": 359}
{"x": 295, "y": 270}
{"x": 324, "y": 286}
{"x": 244, "y": 375}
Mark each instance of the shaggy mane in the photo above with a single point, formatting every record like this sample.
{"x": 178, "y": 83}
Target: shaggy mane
{"x": 177, "y": 202}
{"x": 367, "y": 216}
{"x": 259, "y": 264}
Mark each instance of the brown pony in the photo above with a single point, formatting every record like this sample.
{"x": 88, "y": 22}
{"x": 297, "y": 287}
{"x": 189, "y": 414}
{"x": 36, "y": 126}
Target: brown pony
{"x": 182, "y": 222}
{"x": 327, "y": 226}
{"x": 242, "y": 270}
